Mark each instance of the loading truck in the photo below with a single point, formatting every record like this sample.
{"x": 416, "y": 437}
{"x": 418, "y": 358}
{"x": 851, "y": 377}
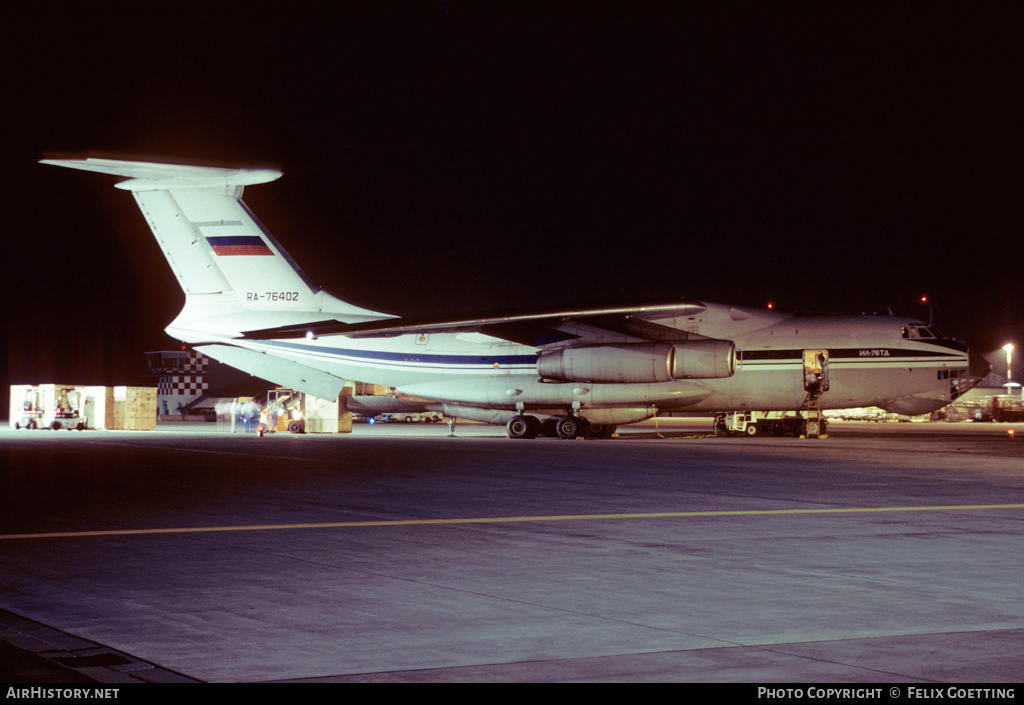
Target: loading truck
{"x": 755, "y": 423}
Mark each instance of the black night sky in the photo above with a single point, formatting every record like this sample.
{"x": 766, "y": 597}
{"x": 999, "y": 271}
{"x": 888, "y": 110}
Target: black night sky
{"x": 449, "y": 156}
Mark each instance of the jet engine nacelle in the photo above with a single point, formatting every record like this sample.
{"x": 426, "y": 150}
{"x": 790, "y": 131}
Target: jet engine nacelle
{"x": 704, "y": 359}
{"x": 640, "y": 363}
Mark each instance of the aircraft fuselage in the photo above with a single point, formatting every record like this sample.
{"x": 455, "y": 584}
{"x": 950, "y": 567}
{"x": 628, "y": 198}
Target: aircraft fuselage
{"x": 897, "y": 363}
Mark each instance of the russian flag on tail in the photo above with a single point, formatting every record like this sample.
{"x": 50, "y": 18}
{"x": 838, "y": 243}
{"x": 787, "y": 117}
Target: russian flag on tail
{"x": 226, "y": 245}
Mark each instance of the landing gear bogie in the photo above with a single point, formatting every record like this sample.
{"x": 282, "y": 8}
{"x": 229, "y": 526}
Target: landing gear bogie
{"x": 572, "y": 427}
{"x": 565, "y": 427}
{"x": 523, "y": 426}
{"x": 604, "y": 430}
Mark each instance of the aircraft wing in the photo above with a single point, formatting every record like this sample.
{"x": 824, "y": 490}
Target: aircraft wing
{"x": 529, "y": 328}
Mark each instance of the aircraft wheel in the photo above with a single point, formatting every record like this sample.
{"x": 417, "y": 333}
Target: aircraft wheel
{"x": 603, "y": 430}
{"x": 523, "y": 427}
{"x": 572, "y": 427}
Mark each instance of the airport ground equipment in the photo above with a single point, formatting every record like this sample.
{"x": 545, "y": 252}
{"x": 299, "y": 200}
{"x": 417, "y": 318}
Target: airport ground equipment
{"x": 1006, "y": 410}
{"x": 72, "y": 406}
{"x": 810, "y": 424}
{"x": 758, "y": 423}
{"x": 816, "y": 383}
{"x": 53, "y": 406}
{"x": 282, "y": 409}
{"x": 414, "y": 417}
{"x": 815, "y": 427}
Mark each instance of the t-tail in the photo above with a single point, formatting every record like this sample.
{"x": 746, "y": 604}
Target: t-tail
{"x": 235, "y": 275}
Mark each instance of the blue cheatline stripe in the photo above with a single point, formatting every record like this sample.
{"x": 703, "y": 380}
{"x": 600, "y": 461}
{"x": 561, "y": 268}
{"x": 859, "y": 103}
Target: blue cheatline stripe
{"x": 867, "y": 352}
{"x": 772, "y": 358}
{"x": 420, "y": 358}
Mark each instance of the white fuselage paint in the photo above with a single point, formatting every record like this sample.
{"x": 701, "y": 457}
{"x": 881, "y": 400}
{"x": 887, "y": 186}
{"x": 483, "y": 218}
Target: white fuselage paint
{"x": 247, "y": 300}
{"x": 870, "y": 363}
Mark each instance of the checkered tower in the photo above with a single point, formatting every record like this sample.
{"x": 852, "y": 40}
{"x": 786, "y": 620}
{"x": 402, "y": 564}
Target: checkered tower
{"x": 182, "y": 377}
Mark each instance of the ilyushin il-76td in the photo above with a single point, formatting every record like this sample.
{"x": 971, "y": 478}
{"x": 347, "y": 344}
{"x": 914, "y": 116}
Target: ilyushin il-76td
{"x": 567, "y": 371}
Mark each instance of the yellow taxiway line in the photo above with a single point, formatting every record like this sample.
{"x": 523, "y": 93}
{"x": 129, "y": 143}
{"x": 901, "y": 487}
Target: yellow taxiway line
{"x": 501, "y": 520}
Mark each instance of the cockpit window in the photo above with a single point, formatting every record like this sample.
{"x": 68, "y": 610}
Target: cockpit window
{"x": 914, "y": 332}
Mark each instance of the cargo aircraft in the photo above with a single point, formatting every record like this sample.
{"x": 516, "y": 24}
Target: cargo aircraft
{"x": 576, "y": 371}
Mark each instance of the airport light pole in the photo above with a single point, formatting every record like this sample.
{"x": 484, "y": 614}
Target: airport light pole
{"x": 1009, "y": 370}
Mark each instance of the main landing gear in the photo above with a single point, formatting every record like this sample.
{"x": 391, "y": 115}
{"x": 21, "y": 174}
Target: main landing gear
{"x": 525, "y": 426}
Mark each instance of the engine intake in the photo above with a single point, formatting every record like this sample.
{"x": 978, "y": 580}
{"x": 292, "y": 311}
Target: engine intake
{"x": 640, "y": 363}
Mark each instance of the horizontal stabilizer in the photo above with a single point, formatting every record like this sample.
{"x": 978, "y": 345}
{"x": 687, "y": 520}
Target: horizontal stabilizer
{"x": 149, "y": 176}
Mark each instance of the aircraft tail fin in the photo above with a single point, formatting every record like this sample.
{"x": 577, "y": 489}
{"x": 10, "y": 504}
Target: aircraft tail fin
{"x": 218, "y": 249}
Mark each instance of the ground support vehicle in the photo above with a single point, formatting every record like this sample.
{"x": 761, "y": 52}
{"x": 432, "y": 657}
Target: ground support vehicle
{"x": 282, "y": 410}
{"x": 755, "y": 423}
{"x": 53, "y": 406}
{"x": 413, "y": 417}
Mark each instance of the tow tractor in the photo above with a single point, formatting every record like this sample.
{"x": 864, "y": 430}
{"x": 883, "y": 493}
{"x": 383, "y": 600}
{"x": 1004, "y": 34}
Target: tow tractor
{"x": 755, "y": 423}
{"x": 781, "y": 423}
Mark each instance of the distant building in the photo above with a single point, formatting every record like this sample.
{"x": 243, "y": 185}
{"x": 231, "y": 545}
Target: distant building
{"x": 187, "y": 379}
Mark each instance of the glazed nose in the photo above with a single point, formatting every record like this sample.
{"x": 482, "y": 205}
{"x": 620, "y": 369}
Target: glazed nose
{"x": 977, "y": 366}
